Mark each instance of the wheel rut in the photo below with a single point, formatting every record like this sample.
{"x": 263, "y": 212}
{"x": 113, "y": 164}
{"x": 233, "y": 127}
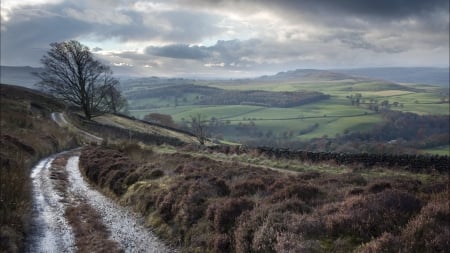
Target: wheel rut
{"x": 69, "y": 215}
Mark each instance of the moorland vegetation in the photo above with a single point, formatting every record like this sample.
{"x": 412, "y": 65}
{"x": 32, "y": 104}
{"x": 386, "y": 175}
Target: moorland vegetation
{"x": 27, "y": 134}
{"x": 206, "y": 201}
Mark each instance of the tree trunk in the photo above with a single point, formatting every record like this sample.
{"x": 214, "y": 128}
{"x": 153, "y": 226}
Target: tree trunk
{"x": 87, "y": 112}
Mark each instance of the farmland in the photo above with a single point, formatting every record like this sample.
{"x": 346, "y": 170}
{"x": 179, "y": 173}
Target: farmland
{"x": 353, "y": 105}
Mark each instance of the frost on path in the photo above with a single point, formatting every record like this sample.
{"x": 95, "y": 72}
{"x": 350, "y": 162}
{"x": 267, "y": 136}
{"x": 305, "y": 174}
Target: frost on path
{"x": 125, "y": 228}
{"x": 50, "y": 230}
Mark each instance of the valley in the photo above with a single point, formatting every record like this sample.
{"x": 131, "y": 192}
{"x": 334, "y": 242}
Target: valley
{"x": 226, "y": 198}
{"x": 344, "y": 105}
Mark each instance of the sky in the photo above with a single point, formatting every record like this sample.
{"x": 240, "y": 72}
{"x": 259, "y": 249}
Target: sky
{"x": 230, "y": 38}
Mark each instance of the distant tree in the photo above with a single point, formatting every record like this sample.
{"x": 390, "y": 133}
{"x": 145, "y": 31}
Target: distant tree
{"x": 159, "y": 118}
{"x": 72, "y": 74}
{"x": 199, "y": 127}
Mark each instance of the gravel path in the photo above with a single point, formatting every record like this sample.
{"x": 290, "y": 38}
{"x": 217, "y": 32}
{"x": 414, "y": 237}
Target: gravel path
{"x": 51, "y": 232}
{"x": 126, "y": 228}
{"x": 59, "y": 118}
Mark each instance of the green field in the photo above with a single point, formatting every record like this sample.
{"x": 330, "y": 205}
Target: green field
{"x": 443, "y": 150}
{"x": 330, "y": 117}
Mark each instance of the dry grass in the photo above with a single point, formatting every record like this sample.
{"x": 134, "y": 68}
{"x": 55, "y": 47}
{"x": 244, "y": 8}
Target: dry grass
{"x": 90, "y": 234}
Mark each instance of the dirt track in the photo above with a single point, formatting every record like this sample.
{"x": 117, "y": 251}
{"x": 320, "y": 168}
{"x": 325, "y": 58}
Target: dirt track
{"x": 58, "y": 189}
{"x": 59, "y": 118}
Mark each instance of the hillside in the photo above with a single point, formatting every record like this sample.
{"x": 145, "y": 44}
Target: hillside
{"x": 301, "y": 75}
{"x": 27, "y": 134}
{"x": 216, "y": 198}
{"x": 228, "y": 199}
{"x": 143, "y": 128}
{"x": 289, "y": 107}
{"x": 432, "y": 76}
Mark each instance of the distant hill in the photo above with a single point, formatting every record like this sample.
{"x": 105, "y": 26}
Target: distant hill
{"x": 21, "y": 76}
{"x": 306, "y": 75}
{"x": 433, "y": 76}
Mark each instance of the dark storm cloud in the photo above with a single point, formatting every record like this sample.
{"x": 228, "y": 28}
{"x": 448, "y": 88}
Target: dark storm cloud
{"x": 24, "y": 42}
{"x": 430, "y": 16}
{"x": 393, "y": 9}
{"x": 382, "y": 8}
{"x": 356, "y": 40}
{"x": 231, "y": 51}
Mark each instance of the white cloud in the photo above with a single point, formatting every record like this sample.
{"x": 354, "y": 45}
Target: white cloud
{"x": 214, "y": 65}
{"x": 8, "y": 6}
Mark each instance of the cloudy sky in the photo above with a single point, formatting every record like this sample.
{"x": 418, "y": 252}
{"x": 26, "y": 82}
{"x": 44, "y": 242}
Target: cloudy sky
{"x": 230, "y": 38}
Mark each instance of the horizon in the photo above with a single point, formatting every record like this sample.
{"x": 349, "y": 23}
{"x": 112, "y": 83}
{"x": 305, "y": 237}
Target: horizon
{"x": 268, "y": 74}
{"x": 230, "y": 39}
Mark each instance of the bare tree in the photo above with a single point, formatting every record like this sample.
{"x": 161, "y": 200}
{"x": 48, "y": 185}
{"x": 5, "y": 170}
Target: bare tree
{"x": 199, "y": 127}
{"x": 114, "y": 99}
{"x": 72, "y": 73}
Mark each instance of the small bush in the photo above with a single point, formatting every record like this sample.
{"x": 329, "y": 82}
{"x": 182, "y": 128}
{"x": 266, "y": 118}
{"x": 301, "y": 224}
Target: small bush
{"x": 131, "y": 178}
{"x": 265, "y": 236}
{"x": 191, "y": 206}
{"x": 378, "y": 187}
{"x": 248, "y": 187}
{"x": 291, "y": 205}
{"x": 155, "y": 174}
{"x": 371, "y": 215}
{"x": 222, "y": 243}
{"x": 243, "y": 234}
{"x": 309, "y": 175}
{"x": 164, "y": 205}
{"x": 430, "y": 230}
{"x": 301, "y": 191}
{"x": 223, "y": 214}
{"x": 292, "y": 242}
{"x": 220, "y": 186}
{"x": 355, "y": 191}
{"x": 385, "y": 243}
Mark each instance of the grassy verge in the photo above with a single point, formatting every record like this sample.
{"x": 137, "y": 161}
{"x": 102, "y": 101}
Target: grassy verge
{"x": 205, "y": 204}
{"x": 27, "y": 134}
